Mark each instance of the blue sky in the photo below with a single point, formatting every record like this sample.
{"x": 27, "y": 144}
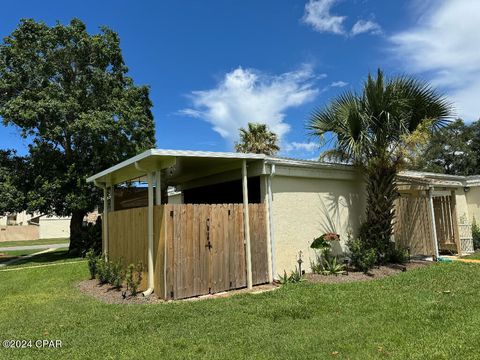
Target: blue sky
{"x": 212, "y": 66}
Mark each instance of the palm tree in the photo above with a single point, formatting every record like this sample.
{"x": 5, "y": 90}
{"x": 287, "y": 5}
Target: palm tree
{"x": 370, "y": 130}
{"x": 257, "y": 139}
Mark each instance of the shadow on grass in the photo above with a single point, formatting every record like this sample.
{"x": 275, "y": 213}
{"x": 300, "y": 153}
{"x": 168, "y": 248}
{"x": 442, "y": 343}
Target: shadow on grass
{"x": 49, "y": 257}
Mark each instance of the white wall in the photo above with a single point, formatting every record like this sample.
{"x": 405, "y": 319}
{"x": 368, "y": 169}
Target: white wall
{"x": 473, "y": 203}
{"x": 54, "y": 227}
{"x": 305, "y": 208}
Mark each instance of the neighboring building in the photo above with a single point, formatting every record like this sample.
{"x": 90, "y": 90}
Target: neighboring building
{"x": 25, "y": 226}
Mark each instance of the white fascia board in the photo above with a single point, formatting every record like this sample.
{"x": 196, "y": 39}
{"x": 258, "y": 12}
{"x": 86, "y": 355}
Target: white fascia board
{"x": 120, "y": 165}
{"x": 173, "y": 154}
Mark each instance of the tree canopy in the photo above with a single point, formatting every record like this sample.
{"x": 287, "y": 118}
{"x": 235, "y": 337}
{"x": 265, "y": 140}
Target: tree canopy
{"x": 69, "y": 92}
{"x": 371, "y": 130}
{"x": 453, "y": 150}
{"x": 257, "y": 139}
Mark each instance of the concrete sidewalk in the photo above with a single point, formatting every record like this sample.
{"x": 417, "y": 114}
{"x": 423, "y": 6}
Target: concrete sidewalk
{"x": 34, "y": 247}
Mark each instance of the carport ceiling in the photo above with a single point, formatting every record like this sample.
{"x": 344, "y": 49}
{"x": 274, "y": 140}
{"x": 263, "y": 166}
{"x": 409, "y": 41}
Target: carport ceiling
{"x": 182, "y": 166}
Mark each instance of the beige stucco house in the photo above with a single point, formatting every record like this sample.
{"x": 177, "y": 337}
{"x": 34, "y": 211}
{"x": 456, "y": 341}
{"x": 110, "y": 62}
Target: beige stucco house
{"x": 300, "y": 200}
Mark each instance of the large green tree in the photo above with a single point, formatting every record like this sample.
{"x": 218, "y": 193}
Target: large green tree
{"x": 69, "y": 93}
{"x": 453, "y": 150}
{"x": 12, "y": 182}
{"x": 371, "y": 130}
{"x": 257, "y": 139}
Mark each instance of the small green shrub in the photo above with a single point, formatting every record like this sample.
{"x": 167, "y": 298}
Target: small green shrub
{"x": 333, "y": 267}
{"x": 92, "y": 260}
{"x": 295, "y": 277}
{"x": 397, "y": 256}
{"x": 102, "y": 271}
{"x": 476, "y": 235}
{"x": 317, "y": 264}
{"x": 361, "y": 258}
{"x": 117, "y": 274}
{"x": 134, "y": 277}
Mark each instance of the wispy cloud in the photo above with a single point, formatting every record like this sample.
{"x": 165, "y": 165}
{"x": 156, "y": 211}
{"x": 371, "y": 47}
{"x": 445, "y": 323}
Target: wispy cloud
{"x": 339, "y": 84}
{"x": 248, "y": 95}
{"x": 365, "y": 26}
{"x": 304, "y": 146}
{"x": 319, "y": 16}
{"x": 444, "y": 47}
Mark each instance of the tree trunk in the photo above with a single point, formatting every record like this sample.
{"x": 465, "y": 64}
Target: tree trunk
{"x": 381, "y": 190}
{"x": 76, "y": 232}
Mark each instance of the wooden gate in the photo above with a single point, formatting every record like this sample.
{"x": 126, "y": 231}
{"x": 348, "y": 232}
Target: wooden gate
{"x": 446, "y": 223}
{"x": 205, "y": 250}
{"x": 413, "y": 224}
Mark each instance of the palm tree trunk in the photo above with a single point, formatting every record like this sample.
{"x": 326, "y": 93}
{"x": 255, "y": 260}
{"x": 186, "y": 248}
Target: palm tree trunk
{"x": 381, "y": 191}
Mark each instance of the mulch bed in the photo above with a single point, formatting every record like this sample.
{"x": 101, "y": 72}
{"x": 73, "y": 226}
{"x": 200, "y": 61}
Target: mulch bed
{"x": 374, "y": 274}
{"x": 110, "y": 295}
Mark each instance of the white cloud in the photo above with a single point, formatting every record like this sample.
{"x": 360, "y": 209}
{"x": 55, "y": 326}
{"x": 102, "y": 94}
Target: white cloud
{"x": 247, "y": 95}
{"x": 304, "y": 146}
{"x": 338, "y": 84}
{"x": 317, "y": 14}
{"x": 444, "y": 46}
{"x": 365, "y": 26}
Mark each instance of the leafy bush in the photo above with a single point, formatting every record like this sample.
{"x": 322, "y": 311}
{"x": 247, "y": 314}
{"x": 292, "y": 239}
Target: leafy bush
{"x": 476, "y": 235}
{"x": 117, "y": 274}
{"x": 333, "y": 267}
{"x": 91, "y": 238}
{"x": 102, "y": 270}
{"x": 317, "y": 264}
{"x": 295, "y": 277}
{"x": 361, "y": 258}
{"x": 134, "y": 277}
{"x": 323, "y": 241}
{"x": 92, "y": 260}
{"x": 397, "y": 256}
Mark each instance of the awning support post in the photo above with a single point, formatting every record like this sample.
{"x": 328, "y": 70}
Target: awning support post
{"x": 150, "y": 269}
{"x": 432, "y": 217}
{"x": 246, "y": 224}
{"x": 105, "y": 221}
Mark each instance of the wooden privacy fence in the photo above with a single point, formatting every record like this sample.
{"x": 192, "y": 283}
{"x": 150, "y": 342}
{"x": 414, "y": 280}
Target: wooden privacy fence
{"x": 198, "y": 249}
{"x": 413, "y": 226}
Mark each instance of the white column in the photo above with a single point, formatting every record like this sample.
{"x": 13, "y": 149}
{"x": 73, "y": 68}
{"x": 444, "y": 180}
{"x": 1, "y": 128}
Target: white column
{"x": 246, "y": 224}
{"x": 105, "y": 222}
{"x": 150, "y": 230}
{"x": 158, "y": 187}
{"x": 432, "y": 216}
{"x": 271, "y": 224}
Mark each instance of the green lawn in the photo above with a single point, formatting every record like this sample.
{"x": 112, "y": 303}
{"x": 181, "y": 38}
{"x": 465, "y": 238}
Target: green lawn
{"x": 34, "y": 242}
{"x": 57, "y": 256}
{"x": 474, "y": 256}
{"x": 429, "y": 313}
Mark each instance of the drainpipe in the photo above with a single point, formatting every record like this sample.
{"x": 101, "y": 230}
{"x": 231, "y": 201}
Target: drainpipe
{"x": 432, "y": 213}
{"x": 270, "y": 216}
{"x": 150, "y": 269}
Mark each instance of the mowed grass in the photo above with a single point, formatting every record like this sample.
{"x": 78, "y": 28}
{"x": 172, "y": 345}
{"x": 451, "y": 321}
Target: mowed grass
{"x": 34, "y": 242}
{"x": 474, "y": 256}
{"x": 60, "y": 255}
{"x": 429, "y": 313}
